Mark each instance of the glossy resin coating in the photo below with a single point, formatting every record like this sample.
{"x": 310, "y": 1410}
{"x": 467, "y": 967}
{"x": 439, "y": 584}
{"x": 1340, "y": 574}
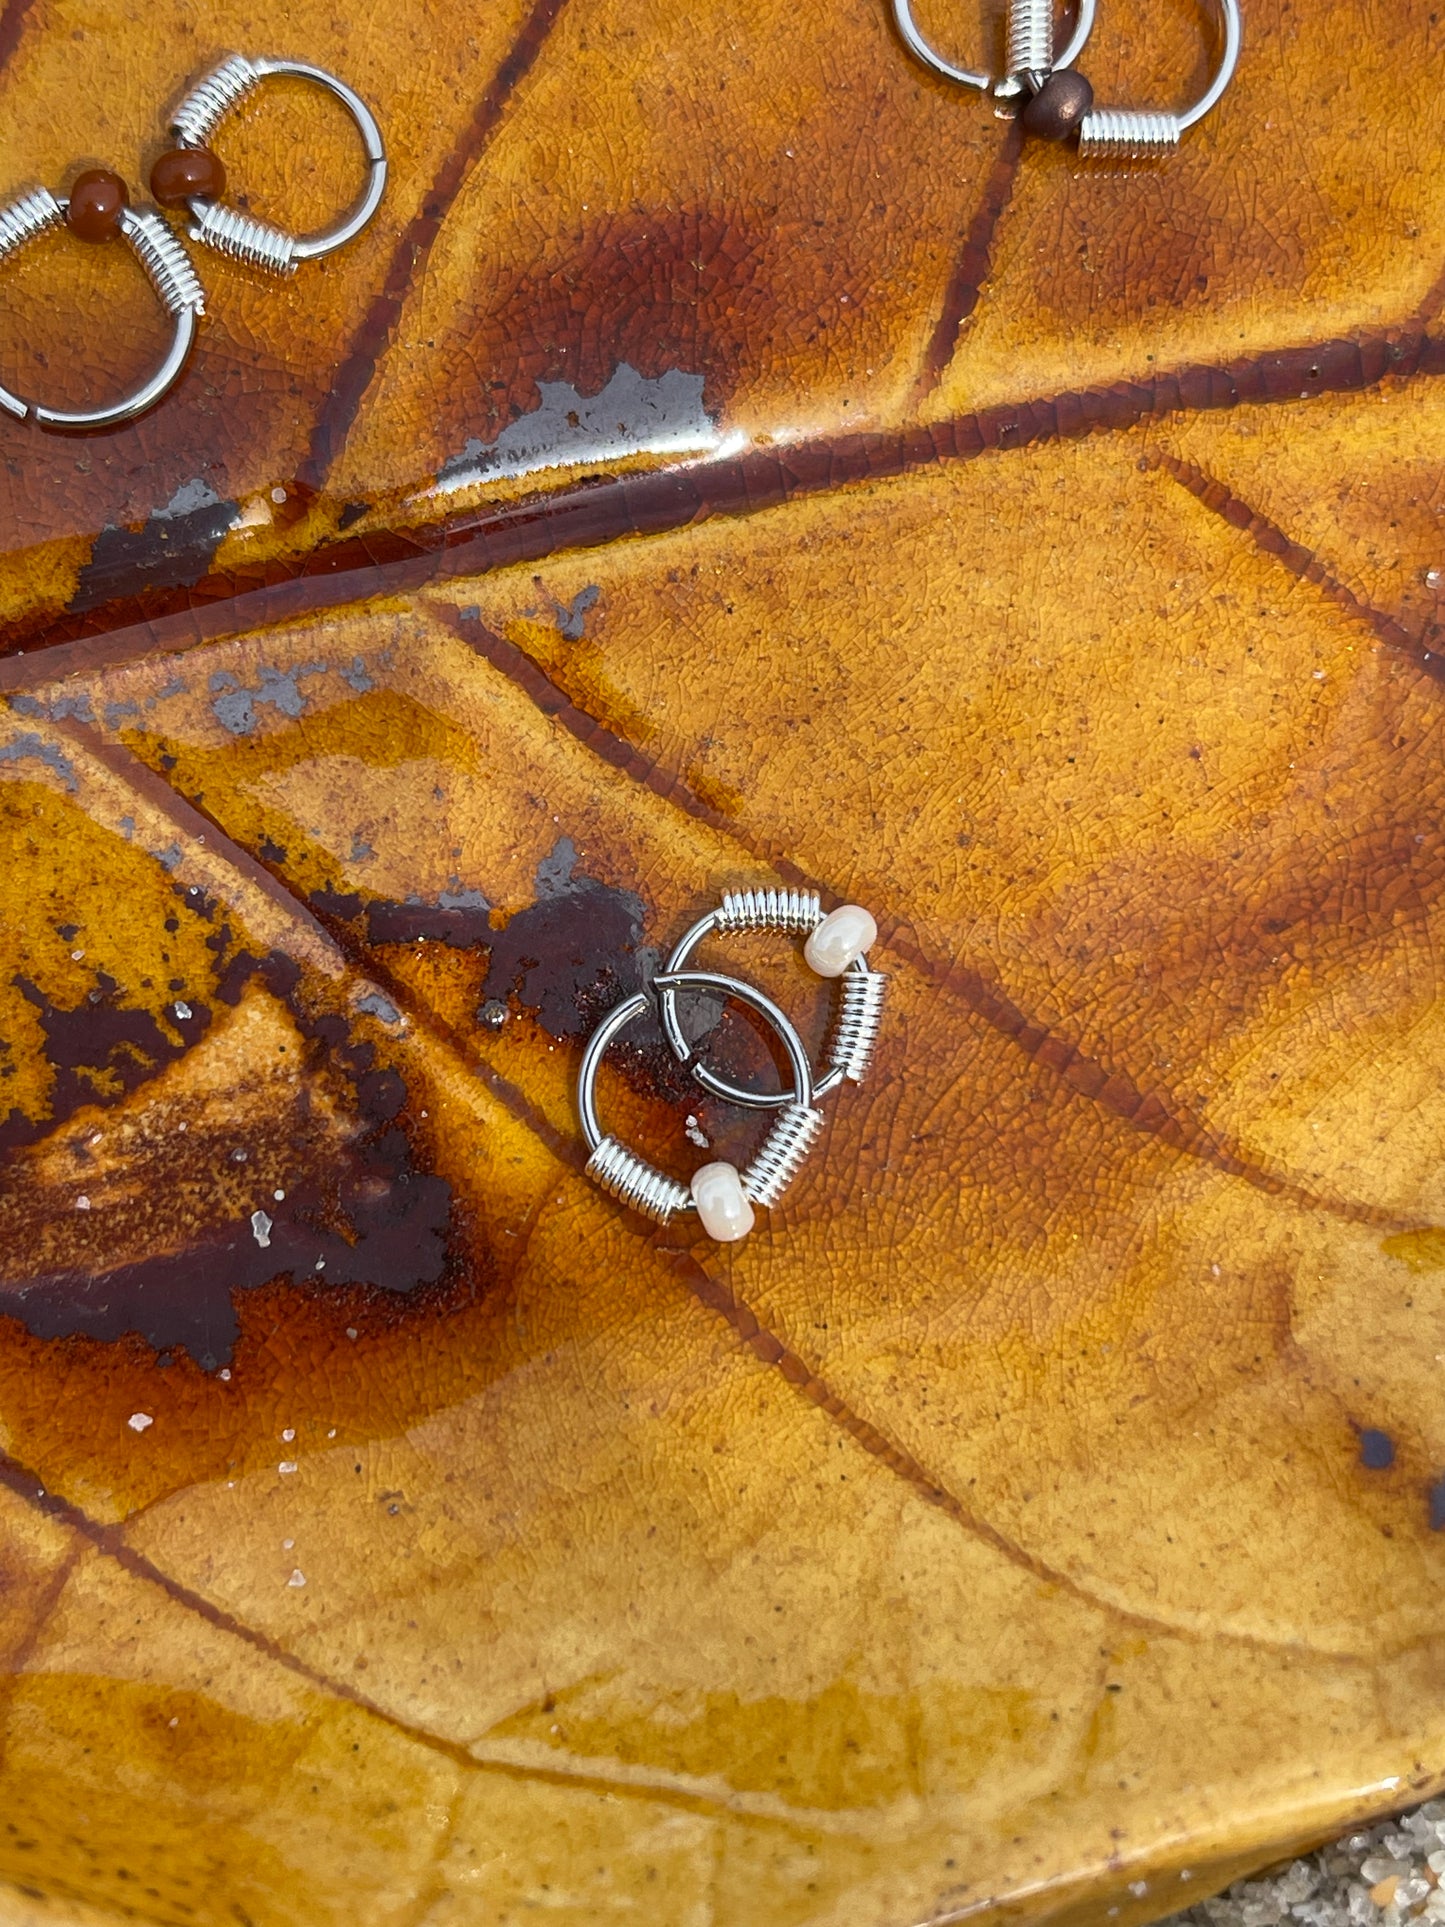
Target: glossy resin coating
{"x": 730, "y": 457}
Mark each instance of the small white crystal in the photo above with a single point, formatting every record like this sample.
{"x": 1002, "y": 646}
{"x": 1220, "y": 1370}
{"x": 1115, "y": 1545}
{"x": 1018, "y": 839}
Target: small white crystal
{"x": 138, "y": 1421}
{"x": 261, "y": 1229}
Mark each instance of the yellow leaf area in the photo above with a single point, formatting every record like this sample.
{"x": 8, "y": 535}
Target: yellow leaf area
{"x": 1004, "y": 1529}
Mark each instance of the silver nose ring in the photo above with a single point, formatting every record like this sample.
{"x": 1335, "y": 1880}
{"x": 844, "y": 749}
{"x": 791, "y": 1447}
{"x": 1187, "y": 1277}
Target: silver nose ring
{"x": 167, "y": 267}
{"x": 631, "y": 1179}
{"x": 1030, "y": 46}
{"x": 243, "y": 237}
{"x": 858, "y": 1008}
{"x": 1126, "y": 133}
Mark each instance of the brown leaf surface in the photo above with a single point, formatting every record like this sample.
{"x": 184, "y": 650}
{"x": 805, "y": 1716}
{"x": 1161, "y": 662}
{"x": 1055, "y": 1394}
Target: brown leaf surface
{"x": 391, "y": 1529}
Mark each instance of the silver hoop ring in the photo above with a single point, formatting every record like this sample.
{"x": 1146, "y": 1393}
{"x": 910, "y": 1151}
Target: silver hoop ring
{"x": 909, "y": 33}
{"x": 168, "y": 269}
{"x": 668, "y": 984}
{"x": 242, "y": 236}
{"x": 631, "y": 1179}
{"x": 672, "y": 1025}
{"x": 1127, "y": 133}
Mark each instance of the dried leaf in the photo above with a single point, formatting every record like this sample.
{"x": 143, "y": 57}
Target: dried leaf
{"x": 1044, "y": 1512}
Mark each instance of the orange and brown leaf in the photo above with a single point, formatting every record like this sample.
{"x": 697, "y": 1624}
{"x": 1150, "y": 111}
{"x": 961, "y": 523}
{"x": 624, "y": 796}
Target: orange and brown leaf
{"x": 1043, "y": 1515}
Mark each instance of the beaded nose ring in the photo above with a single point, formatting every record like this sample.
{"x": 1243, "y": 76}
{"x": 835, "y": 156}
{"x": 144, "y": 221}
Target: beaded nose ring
{"x": 723, "y": 1197}
{"x": 98, "y": 210}
{"x": 1060, "y": 103}
{"x": 192, "y": 176}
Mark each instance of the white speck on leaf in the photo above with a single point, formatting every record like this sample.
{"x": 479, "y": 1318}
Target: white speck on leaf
{"x": 138, "y": 1421}
{"x": 298, "y": 1578}
{"x": 286, "y": 1465}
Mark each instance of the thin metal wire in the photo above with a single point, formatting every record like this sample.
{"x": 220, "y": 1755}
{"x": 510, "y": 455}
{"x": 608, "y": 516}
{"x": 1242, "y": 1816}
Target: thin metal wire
{"x": 208, "y": 103}
{"x": 1114, "y": 133}
{"x": 851, "y": 1046}
{"x": 165, "y": 261}
{"x": 781, "y": 1157}
{"x": 243, "y": 237}
{"x": 258, "y": 243}
{"x": 632, "y": 1180}
{"x": 796, "y": 913}
{"x": 167, "y": 267}
{"x": 1026, "y": 20}
{"x": 1030, "y": 37}
{"x": 32, "y": 214}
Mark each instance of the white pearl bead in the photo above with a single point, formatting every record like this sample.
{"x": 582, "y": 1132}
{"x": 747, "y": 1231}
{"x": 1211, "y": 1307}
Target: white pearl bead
{"x": 721, "y": 1202}
{"x": 844, "y": 934}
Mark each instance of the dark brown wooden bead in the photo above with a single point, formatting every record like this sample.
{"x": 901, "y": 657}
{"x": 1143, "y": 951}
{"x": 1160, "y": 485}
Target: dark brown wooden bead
{"x": 97, "y": 200}
{"x": 1057, "y": 108}
{"x": 187, "y": 174}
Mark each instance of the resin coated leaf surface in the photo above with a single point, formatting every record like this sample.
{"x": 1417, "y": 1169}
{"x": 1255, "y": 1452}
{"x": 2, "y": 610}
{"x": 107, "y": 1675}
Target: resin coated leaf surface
{"x": 729, "y": 457}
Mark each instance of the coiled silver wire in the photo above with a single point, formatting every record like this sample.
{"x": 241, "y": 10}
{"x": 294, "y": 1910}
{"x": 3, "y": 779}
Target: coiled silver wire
{"x": 32, "y": 214}
{"x": 243, "y": 238}
{"x": 1116, "y": 133}
{"x": 1123, "y": 133}
{"x": 632, "y": 1180}
{"x": 167, "y": 267}
{"x": 240, "y": 236}
{"x": 1030, "y": 37}
{"x": 860, "y": 1016}
{"x": 783, "y": 1150}
{"x": 165, "y": 261}
{"x": 795, "y": 912}
{"x": 208, "y": 103}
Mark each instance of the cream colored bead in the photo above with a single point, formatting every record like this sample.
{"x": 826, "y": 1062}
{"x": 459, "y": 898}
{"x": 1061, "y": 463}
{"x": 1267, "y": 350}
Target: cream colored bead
{"x": 721, "y": 1202}
{"x": 844, "y": 935}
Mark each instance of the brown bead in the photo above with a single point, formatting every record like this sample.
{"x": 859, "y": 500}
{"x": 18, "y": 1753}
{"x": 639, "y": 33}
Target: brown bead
{"x": 1057, "y": 108}
{"x": 188, "y": 174}
{"x": 97, "y": 200}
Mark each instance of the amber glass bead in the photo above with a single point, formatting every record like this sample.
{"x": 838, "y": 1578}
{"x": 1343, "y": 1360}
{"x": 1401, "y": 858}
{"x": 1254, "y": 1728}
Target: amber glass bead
{"x": 97, "y": 200}
{"x": 186, "y": 174}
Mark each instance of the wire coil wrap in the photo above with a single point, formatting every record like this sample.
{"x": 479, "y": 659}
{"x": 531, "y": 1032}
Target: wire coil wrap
{"x": 798, "y": 912}
{"x": 1030, "y": 36}
{"x": 860, "y": 1016}
{"x": 208, "y": 103}
{"x": 780, "y": 1158}
{"x": 32, "y": 214}
{"x": 1115, "y": 133}
{"x": 165, "y": 261}
{"x": 632, "y": 1180}
{"x": 243, "y": 238}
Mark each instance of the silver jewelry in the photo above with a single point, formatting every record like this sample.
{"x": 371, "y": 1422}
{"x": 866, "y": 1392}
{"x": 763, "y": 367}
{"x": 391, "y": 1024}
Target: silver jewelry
{"x": 1030, "y": 46}
{"x": 1057, "y": 103}
{"x": 168, "y": 268}
{"x": 857, "y": 1015}
{"x": 1126, "y": 133}
{"x": 243, "y": 237}
{"x": 723, "y": 1197}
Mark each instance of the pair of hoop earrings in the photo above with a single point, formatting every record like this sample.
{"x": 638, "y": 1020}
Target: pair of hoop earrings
{"x": 189, "y": 177}
{"x": 723, "y": 1197}
{"x": 1059, "y": 102}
